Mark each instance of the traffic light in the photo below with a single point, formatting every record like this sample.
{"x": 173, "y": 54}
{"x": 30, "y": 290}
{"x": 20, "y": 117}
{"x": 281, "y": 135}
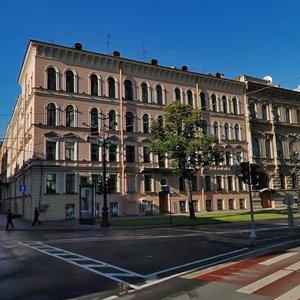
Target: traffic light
{"x": 254, "y": 174}
{"x": 109, "y": 185}
{"x": 245, "y": 171}
{"x": 99, "y": 187}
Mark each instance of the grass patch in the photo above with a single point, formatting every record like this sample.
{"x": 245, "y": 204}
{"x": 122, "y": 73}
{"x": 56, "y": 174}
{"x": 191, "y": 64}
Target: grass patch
{"x": 201, "y": 218}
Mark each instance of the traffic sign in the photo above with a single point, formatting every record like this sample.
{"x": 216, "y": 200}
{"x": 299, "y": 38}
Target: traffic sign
{"x": 289, "y": 200}
{"x": 22, "y": 188}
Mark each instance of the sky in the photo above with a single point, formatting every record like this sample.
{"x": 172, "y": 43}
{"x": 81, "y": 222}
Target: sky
{"x": 233, "y": 37}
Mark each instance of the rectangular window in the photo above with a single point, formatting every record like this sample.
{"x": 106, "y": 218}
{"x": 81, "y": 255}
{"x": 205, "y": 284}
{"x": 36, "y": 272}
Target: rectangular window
{"x": 207, "y": 183}
{"x": 69, "y": 155}
{"x": 148, "y": 183}
{"x": 242, "y": 203}
{"x": 113, "y": 153}
{"x": 146, "y": 155}
{"x": 70, "y": 183}
{"x": 51, "y": 150}
{"x": 50, "y": 183}
{"x": 227, "y": 157}
{"x": 113, "y": 187}
{"x": 241, "y": 184}
{"x": 220, "y": 204}
{"x": 130, "y": 153}
{"x": 219, "y": 183}
{"x": 231, "y": 204}
{"x": 230, "y": 183}
{"x": 94, "y": 152}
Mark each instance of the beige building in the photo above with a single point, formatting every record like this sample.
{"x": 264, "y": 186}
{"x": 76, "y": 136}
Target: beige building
{"x": 273, "y": 127}
{"x": 70, "y": 95}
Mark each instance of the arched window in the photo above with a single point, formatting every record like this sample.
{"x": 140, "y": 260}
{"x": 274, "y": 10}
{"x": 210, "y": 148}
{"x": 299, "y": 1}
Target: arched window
{"x": 128, "y": 90}
{"x": 70, "y": 116}
{"x": 255, "y": 145}
{"x": 216, "y": 129}
{"x": 51, "y": 79}
{"x": 224, "y": 103}
{"x": 160, "y": 121}
{"x": 70, "y": 82}
{"x": 146, "y": 124}
{"x": 144, "y": 88}
{"x": 236, "y": 132}
{"x": 264, "y": 112}
{"x": 235, "y": 106}
{"x": 189, "y": 97}
{"x": 159, "y": 94}
{"x": 51, "y": 114}
{"x": 226, "y": 131}
{"x": 129, "y": 122}
{"x": 111, "y": 87}
{"x": 177, "y": 94}
{"x": 94, "y": 121}
{"x": 94, "y": 85}
{"x": 203, "y": 101}
{"x": 213, "y": 102}
{"x": 112, "y": 120}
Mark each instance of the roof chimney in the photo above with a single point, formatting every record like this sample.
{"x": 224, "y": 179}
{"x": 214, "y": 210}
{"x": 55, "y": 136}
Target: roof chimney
{"x": 116, "y": 53}
{"x": 184, "y": 68}
{"x": 77, "y": 46}
{"x": 154, "y": 62}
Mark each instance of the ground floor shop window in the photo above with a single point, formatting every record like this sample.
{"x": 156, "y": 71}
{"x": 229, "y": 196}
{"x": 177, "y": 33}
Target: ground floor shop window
{"x": 231, "y": 203}
{"x": 113, "y": 209}
{"x": 220, "y": 204}
{"x": 182, "y": 206}
{"x": 146, "y": 207}
{"x": 242, "y": 204}
{"x": 70, "y": 211}
{"x": 208, "y": 205}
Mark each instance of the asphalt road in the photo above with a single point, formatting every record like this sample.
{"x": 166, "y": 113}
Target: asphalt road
{"x": 109, "y": 263}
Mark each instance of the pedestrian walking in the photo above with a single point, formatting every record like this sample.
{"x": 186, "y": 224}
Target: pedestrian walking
{"x": 9, "y": 218}
{"x": 36, "y": 217}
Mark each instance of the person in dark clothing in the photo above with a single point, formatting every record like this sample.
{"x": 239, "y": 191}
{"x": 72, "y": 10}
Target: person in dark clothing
{"x": 9, "y": 219}
{"x": 36, "y": 217}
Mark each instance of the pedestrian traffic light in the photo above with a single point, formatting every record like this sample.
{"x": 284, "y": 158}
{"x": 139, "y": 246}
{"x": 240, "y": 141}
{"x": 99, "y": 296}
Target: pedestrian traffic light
{"x": 99, "y": 187}
{"x": 245, "y": 171}
{"x": 254, "y": 174}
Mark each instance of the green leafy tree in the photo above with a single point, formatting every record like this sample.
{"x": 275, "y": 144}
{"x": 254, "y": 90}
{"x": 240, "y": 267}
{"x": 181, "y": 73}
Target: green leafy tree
{"x": 181, "y": 139}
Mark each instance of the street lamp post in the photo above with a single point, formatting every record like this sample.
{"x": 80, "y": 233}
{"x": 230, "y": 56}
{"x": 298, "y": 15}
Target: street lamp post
{"x": 104, "y": 142}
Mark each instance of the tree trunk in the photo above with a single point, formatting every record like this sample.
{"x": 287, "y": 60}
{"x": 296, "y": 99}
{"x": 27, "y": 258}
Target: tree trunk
{"x": 190, "y": 198}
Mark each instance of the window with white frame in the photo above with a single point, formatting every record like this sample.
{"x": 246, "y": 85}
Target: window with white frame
{"x": 51, "y": 151}
{"x": 51, "y": 183}
{"x": 69, "y": 151}
{"x": 70, "y": 183}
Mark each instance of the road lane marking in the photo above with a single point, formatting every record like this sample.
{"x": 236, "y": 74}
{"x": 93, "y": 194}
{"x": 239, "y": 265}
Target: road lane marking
{"x": 78, "y": 260}
{"x": 277, "y": 258}
{"x": 294, "y": 267}
{"x": 257, "y": 285}
{"x": 292, "y": 294}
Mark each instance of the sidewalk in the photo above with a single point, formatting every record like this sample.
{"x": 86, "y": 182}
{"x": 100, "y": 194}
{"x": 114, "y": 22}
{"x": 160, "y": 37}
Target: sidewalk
{"x": 24, "y": 225}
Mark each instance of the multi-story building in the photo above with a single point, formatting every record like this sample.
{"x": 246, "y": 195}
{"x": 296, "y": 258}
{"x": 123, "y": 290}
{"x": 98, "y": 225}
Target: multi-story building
{"x": 70, "y": 95}
{"x": 273, "y": 129}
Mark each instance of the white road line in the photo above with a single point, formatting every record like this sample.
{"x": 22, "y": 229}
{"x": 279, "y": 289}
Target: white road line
{"x": 251, "y": 288}
{"x": 196, "y": 262}
{"x": 294, "y": 267}
{"x": 98, "y": 264}
{"x": 292, "y": 294}
{"x": 277, "y": 258}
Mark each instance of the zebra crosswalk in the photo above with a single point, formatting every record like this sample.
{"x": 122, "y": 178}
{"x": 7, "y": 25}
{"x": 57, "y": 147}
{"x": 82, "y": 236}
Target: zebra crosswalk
{"x": 275, "y": 276}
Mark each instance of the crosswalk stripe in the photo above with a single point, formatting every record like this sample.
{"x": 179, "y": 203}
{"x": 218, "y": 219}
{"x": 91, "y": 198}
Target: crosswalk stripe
{"x": 294, "y": 267}
{"x": 251, "y": 288}
{"x": 277, "y": 258}
{"x": 292, "y": 294}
